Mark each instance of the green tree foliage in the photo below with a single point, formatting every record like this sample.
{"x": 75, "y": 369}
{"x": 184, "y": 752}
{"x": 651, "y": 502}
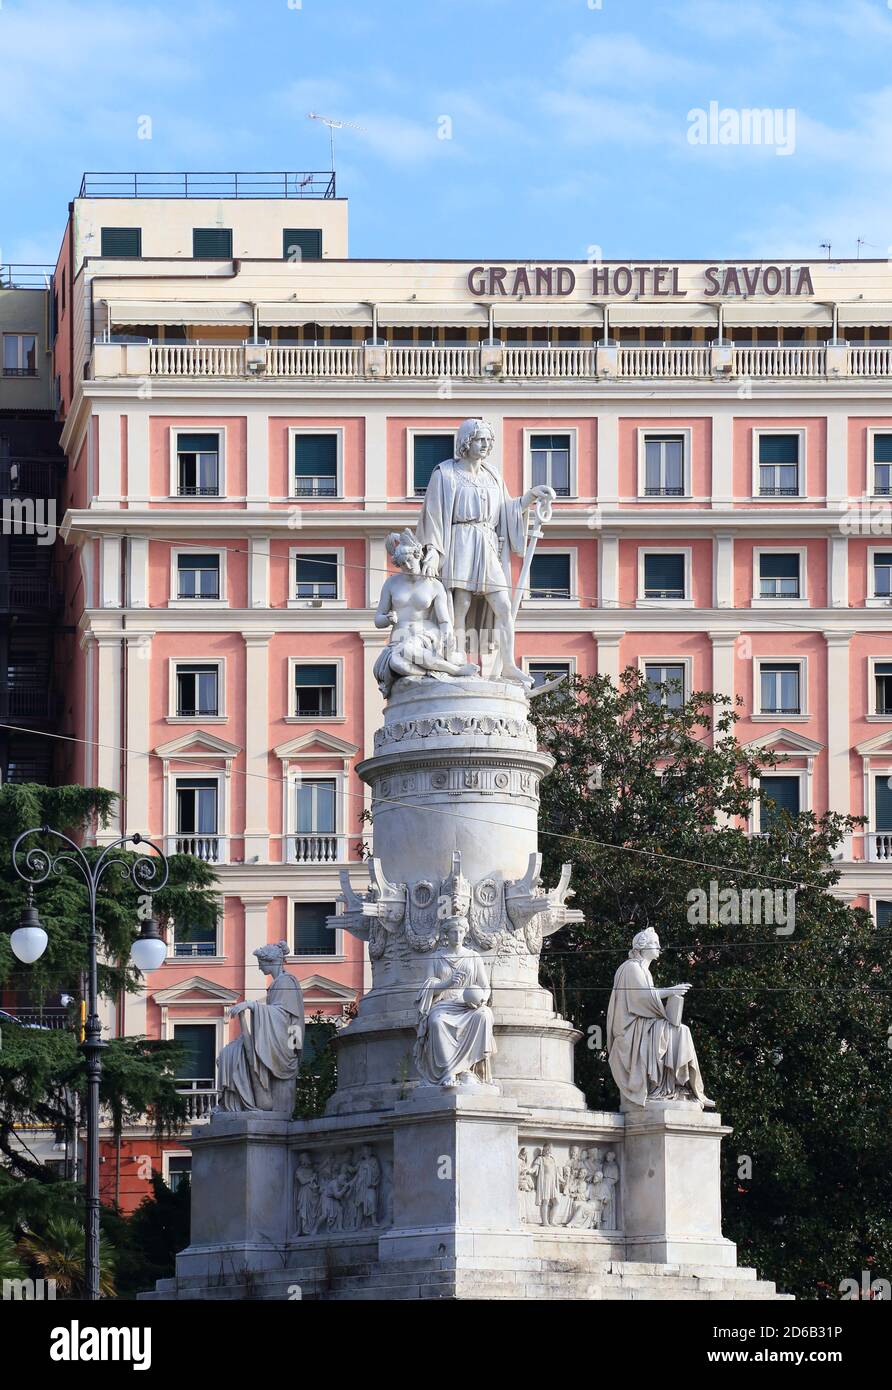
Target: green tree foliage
{"x": 42, "y": 1073}
{"x": 146, "y": 1244}
{"x": 57, "y": 1254}
{"x": 792, "y": 1030}
{"x": 318, "y": 1076}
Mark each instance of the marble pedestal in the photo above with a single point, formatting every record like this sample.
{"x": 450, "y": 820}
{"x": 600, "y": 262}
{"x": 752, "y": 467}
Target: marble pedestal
{"x": 405, "y": 1190}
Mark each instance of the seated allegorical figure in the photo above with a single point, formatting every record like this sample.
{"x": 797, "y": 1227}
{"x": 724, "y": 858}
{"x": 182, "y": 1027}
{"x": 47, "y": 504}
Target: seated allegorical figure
{"x": 455, "y": 1038}
{"x": 258, "y": 1070}
{"x": 416, "y": 606}
{"x": 650, "y": 1051}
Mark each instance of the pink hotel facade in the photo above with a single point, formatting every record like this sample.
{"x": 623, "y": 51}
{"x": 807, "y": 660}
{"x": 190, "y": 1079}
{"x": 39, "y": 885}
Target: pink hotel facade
{"x": 248, "y": 412}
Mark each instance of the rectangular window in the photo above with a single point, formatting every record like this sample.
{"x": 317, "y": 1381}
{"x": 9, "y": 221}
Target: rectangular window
{"x": 428, "y": 451}
{"x": 883, "y": 801}
{"x": 198, "y": 577}
{"x": 882, "y": 675}
{"x": 316, "y": 807}
{"x": 882, "y": 574}
{"x": 664, "y": 575}
{"x": 179, "y": 1171}
{"x": 778, "y": 465}
{"x": 779, "y": 576}
{"x": 780, "y": 687}
{"x": 199, "y": 1044}
{"x": 192, "y": 939}
{"x": 212, "y": 243}
{"x": 550, "y": 576}
{"x": 315, "y": 691}
{"x": 302, "y": 244}
{"x": 550, "y": 462}
{"x": 198, "y": 694}
{"x": 311, "y": 936}
{"x": 198, "y": 465}
{"x": 196, "y": 806}
{"x": 544, "y": 671}
{"x": 665, "y": 684}
{"x": 120, "y": 242}
{"x": 882, "y": 465}
{"x": 19, "y": 354}
{"x": 884, "y": 914}
{"x": 315, "y": 465}
{"x": 316, "y": 576}
{"x": 777, "y": 795}
{"x": 664, "y": 466}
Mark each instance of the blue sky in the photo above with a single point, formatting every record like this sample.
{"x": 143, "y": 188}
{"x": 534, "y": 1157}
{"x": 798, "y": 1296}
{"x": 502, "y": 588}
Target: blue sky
{"x": 568, "y": 120}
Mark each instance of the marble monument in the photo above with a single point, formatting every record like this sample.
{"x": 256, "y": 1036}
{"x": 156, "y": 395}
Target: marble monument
{"x": 457, "y": 1158}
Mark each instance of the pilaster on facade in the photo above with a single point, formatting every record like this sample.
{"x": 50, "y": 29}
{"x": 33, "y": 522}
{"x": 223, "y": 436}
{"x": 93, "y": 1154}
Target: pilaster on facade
{"x": 608, "y": 651}
{"x": 108, "y": 726}
{"x": 257, "y": 797}
{"x": 839, "y": 735}
{"x": 723, "y": 570}
{"x": 138, "y": 657}
{"x": 255, "y": 906}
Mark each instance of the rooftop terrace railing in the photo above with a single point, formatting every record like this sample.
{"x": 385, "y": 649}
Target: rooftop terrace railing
{"x": 313, "y": 183}
{"x": 23, "y": 275}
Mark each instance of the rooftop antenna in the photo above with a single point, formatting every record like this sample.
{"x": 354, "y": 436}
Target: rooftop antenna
{"x": 825, "y": 246}
{"x": 860, "y": 242}
{"x": 333, "y": 124}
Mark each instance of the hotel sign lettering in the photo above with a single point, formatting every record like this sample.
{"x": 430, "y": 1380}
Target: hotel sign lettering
{"x": 657, "y": 281}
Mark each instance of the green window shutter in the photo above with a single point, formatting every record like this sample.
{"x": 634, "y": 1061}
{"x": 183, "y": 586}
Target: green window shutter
{"x": 302, "y": 244}
{"x": 779, "y": 566}
{"x": 550, "y": 572}
{"x": 212, "y": 243}
{"x": 197, "y": 443}
{"x": 550, "y": 441}
{"x": 121, "y": 241}
{"x": 884, "y": 914}
{"x": 430, "y": 449}
{"x": 882, "y": 448}
{"x": 316, "y": 675}
{"x": 664, "y": 572}
{"x": 199, "y": 1043}
{"x": 784, "y": 793}
{"x": 311, "y": 936}
{"x": 316, "y": 455}
{"x": 778, "y": 448}
{"x": 884, "y": 803}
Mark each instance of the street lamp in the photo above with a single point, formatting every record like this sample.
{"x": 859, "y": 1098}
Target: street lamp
{"x": 29, "y": 941}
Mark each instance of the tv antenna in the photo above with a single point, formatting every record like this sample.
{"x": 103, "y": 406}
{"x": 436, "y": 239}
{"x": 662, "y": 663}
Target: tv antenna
{"x": 333, "y": 124}
{"x": 826, "y": 246}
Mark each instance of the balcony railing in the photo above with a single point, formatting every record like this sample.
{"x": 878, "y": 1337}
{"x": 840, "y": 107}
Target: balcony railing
{"x": 313, "y": 183}
{"x": 201, "y": 1096}
{"x": 27, "y": 702}
{"x": 29, "y": 477}
{"x": 211, "y": 848}
{"x": 22, "y": 591}
{"x": 317, "y": 849}
{"x": 878, "y": 846}
{"x": 489, "y": 361}
{"x": 25, "y": 276}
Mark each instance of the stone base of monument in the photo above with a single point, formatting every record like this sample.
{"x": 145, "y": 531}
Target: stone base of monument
{"x": 447, "y": 1217}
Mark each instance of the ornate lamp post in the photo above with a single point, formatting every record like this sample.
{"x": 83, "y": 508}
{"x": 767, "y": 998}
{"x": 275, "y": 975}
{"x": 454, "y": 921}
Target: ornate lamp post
{"x": 28, "y": 942}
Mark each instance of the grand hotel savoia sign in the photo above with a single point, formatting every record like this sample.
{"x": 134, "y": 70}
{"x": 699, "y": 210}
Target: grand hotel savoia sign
{"x": 724, "y": 281}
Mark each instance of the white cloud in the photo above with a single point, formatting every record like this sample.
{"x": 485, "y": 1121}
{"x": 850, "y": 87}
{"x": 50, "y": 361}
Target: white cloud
{"x": 622, "y": 60}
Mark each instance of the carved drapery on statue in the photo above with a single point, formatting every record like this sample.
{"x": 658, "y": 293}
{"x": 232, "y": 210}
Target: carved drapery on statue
{"x": 650, "y": 1051}
{"x": 258, "y": 1070}
{"x": 454, "y": 1040}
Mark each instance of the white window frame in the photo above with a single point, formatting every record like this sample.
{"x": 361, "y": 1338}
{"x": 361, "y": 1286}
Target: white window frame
{"x": 873, "y": 768}
{"x": 167, "y": 1155}
{"x": 174, "y": 1019}
{"x": 684, "y": 550}
{"x": 757, "y": 601}
{"x": 20, "y": 335}
{"x": 757, "y": 432}
{"x": 294, "y": 431}
{"x": 686, "y": 662}
{"x": 571, "y": 602}
{"x": 174, "y": 433}
{"x": 174, "y": 959}
{"x": 175, "y": 601}
{"x": 340, "y": 939}
{"x": 804, "y": 774}
{"x": 572, "y": 431}
{"x": 170, "y": 803}
{"x": 308, "y": 553}
{"x": 870, "y": 481}
{"x": 767, "y": 716}
{"x": 872, "y": 712}
{"x": 411, "y": 432}
{"x": 872, "y": 601}
{"x": 646, "y": 432}
{"x": 175, "y": 661}
{"x": 298, "y": 774}
{"x": 570, "y": 661}
{"x": 873, "y": 900}
{"x": 292, "y": 717}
